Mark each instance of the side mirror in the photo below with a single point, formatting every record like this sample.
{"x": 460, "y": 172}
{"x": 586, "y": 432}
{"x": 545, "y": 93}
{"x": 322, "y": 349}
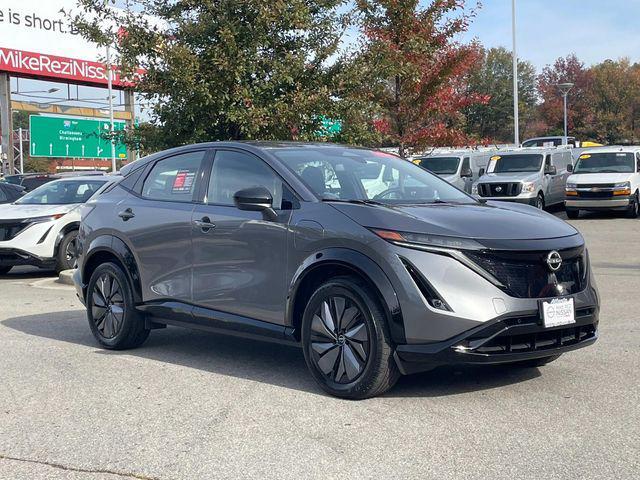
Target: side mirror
{"x": 569, "y": 168}
{"x": 466, "y": 173}
{"x": 481, "y": 172}
{"x": 550, "y": 170}
{"x": 255, "y": 199}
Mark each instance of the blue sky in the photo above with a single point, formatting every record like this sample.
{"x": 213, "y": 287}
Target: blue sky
{"x": 547, "y": 29}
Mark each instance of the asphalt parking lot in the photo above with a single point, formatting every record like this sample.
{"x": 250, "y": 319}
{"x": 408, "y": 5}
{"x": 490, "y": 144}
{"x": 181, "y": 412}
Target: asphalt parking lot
{"x": 193, "y": 405}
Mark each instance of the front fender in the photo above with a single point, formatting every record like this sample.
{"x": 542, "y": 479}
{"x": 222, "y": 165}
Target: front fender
{"x": 360, "y": 264}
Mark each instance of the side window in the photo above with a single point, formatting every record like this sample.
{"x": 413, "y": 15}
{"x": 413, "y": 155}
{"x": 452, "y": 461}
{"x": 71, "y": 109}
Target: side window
{"x": 466, "y": 163}
{"x": 174, "y": 178}
{"x": 547, "y": 161}
{"x": 638, "y": 161}
{"x": 233, "y": 171}
{"x": 3, "y": 196}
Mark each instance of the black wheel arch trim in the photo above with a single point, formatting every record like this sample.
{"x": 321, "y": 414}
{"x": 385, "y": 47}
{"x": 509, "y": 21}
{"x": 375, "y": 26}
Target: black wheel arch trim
{"x": 116, "y": 247}
{"x": 361, "y": 265}
{"x": 70, "y": 227}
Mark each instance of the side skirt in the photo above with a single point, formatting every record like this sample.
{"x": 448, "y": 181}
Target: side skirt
{"x": 200, "y": 318}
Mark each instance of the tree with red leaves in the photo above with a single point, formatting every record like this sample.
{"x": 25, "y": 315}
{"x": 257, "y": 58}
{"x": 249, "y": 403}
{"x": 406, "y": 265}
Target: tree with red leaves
{"x": 414, "y": 70}
{"x": 551, "y": 110}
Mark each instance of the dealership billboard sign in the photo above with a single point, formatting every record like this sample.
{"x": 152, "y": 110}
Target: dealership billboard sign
{"x": 37, "y": 40}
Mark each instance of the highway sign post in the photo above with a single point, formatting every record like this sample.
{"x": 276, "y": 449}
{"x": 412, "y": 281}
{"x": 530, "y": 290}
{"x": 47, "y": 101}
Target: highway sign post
{"x": 65, "y": 136}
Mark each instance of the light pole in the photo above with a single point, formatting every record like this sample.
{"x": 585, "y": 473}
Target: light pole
{"x": 516, "y": 113}
{"x": 565, "y": 88}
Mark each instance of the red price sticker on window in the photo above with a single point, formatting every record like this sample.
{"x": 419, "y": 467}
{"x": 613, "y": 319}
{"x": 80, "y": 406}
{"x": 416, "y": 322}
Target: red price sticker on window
{"x": 183, "y": 181}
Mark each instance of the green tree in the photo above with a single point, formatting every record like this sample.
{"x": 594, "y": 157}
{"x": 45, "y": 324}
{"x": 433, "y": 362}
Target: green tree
{"x": 411, "y": 70}
{"x": 225, "y": 69}
{"x": 614, "y": 97}
{"x": 493, "y": 78}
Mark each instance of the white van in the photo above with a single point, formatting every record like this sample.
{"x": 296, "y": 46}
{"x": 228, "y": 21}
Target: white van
{"x": 460, "y": 168}
{"x": 605, "y": 179}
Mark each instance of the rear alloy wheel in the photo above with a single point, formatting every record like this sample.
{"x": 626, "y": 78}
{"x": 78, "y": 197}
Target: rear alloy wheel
{"x": 634, "y": 207}
{"x": 5, "y": 270}
{"x": 540, "y": 202}
{"x": 112, "y": 316}
{"x": 572, "y": 213}
{"x": 67, "y": 252}
{"x": 346, "y": 341}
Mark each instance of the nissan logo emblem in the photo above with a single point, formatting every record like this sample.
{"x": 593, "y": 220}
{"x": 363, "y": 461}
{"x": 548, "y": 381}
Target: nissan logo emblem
{"x": 554, "y": 261}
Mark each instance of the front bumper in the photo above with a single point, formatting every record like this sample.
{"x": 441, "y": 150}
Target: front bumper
{"x": 526, "y": 200}
{"x": 598, "y": 204}
{"x": 505, "y": 340}
{"x": 13, "y": 257}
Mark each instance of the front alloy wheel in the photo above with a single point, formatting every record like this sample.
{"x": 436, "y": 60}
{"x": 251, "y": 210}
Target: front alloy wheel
{"x": 346, "y": 340}
{"x": 339, "y": 339}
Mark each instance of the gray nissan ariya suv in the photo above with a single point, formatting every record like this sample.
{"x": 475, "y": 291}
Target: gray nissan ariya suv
{"x": 374, "y": 266}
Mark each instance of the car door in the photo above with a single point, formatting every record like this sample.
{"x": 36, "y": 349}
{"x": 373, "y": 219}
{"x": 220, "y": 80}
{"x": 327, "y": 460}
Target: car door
{"x": 156, "y": 222}
{"x": 239, "y": 264}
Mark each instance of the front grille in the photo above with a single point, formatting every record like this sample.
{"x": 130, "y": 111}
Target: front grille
{"x": 527, "y": 275}
{"x": 9, "y": 230}
{"x": 500, "y": 189}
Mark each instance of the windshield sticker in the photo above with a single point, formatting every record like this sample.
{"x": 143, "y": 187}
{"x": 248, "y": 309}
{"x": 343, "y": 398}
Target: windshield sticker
{"x": 584, "y": 157}
{"x": 492, "y": 164}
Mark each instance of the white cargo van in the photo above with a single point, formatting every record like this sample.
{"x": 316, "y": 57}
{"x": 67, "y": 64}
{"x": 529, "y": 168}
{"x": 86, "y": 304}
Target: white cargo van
{"x": 460, "y": 168}
{"x": 605, "y": 179}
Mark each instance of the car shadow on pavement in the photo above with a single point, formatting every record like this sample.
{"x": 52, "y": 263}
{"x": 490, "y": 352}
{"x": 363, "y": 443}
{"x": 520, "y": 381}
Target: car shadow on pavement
{"x": 258, "y": 361}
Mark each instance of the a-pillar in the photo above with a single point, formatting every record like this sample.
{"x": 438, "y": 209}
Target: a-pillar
{"x": 6, "y": 125}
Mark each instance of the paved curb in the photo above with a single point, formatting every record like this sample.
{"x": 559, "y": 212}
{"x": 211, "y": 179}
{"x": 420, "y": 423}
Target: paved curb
{"x": 66, "y": 277}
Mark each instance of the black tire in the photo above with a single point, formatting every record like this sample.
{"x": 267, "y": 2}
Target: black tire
{"x": 540, "y": 202}
{"x": 354, "y": 359}
{"x": 5, "y": 270}
{"x": 113, "y": 319}
{"x": 634, "y": 208}
{"x": 67, "y": 252}
{"x": 536, "y": 362}
{"x": 573, "y": 213}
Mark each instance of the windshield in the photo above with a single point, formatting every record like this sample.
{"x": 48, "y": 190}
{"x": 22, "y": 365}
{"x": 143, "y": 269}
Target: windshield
{"x": 358, "y": 175}
{"x": 440, "y": 165}
{"x": 515, "y": 163}
{"x": 605, "y": 163}
{"x": 62, "y": 192}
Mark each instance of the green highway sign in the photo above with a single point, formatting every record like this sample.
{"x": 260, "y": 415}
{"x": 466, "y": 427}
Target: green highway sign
{"x": 66, "y": 136}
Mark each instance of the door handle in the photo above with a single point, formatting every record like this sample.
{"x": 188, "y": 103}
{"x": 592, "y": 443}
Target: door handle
{"x": 126, "y": 214}
{"x": 204, "y": 224}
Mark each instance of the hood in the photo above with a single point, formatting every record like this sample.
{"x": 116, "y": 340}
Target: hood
{"x": 17, "y": 211}
{"x": 595, "y": 178}
{"x": 490, "y": 221}
{"x": 509, "y": 177}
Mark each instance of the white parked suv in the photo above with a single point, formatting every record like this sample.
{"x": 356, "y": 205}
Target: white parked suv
{"x": 605, "y": 179}
{"x": 40, "y": 228}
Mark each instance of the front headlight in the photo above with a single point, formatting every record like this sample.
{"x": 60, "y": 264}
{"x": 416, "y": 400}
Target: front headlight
{"x": 474, "y": 189}
{"x": 48, "y": 218}
{"x": 622, "y": 189}
{"x": 571, "y": 186}
{"x": 423, "y": 241}
{"x": 528, "y": 187}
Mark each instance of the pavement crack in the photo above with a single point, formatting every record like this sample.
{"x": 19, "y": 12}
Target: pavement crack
{"x": 67, "y": 468}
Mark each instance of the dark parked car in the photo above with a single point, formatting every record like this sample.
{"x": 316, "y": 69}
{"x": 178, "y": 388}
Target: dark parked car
{"x": 373, "y": 265}
{"x": 31, "y": 181}
{"x": 9, "y": 192}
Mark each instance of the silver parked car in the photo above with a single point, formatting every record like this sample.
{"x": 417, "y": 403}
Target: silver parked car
{"x": 535, "y": 176}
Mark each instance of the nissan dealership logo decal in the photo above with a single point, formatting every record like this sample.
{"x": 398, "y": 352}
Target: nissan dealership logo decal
{"x": 554, "y": 261}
